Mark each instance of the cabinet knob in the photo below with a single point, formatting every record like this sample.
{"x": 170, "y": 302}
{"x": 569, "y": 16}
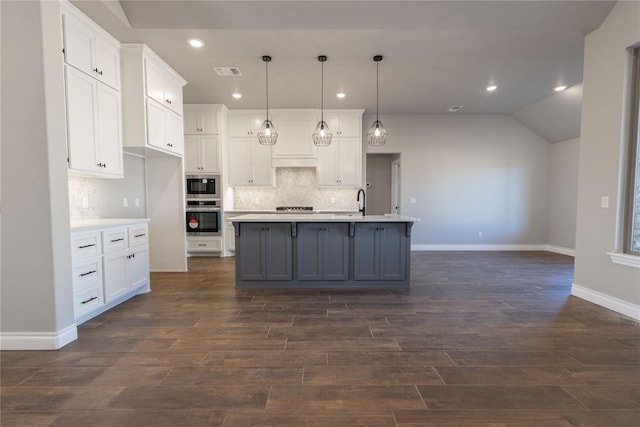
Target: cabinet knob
{"x": 100, "y": 72}
{"x": 95, "y": 70}
{"x": 168, "y": 101}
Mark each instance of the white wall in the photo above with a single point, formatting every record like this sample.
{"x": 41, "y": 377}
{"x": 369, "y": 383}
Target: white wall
{"x": 563, "y": 193}
{"x": 470, "y": 173}
{"x": 602, "y": 145}
{"x": 105, "y": 196}
{"x": 36, "y": 295}
{"x": 379, "y": 184}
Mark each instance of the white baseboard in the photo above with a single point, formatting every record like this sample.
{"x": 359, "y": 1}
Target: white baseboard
{"x": 38, "y": 340}
{"x": 606, "y": 301}
{"x": 464, "y": 247}
{"x": 494, "y": 247}
{"x": 561, "y": 250}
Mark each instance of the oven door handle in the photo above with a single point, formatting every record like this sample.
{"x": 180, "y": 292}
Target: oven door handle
{"x": 194, "y": 209}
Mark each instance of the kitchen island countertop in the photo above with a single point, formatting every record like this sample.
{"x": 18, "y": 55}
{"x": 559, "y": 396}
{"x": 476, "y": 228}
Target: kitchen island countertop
{"x": 321, "y": 217}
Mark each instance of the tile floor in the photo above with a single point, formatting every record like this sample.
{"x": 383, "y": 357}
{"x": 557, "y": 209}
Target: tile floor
{"x": 487, "y": 338}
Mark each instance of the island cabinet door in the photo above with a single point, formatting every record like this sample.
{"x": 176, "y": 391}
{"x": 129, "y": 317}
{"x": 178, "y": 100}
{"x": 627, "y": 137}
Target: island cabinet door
{"x": 252, "y": 252}
{"x": 323, "y": 251}
{"x": 366, "y": 265}
{"x": 393, "y": 251}
{"x": 278, "y": 253}
{"x": 309, "y": 251}
{"x": 336, "y": 252}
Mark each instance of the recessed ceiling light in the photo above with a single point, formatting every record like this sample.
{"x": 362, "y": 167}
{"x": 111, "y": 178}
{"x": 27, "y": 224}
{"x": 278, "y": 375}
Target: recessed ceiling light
{"x": 196, "y": 42}
{"x": 341, "y": 95}
{"x": 236, "y": 95}
{"x": 491, "y": 88}
{"x": 455, "y": 108}
{"x": 560, "y": 88}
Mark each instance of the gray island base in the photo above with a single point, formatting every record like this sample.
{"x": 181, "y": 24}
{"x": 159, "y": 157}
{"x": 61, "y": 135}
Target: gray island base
{"x": 322, "y": 251}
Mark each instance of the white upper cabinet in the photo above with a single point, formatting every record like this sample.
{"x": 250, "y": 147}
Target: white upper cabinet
{"x": 162, "y": 85}
{"x": 200, "y": 122}
{"x": 90, "y": 49}
{"x": 92, "y": 89}
{"x": 244, "y": 123}
{"x": 201, "y": 154}
{"x": 344, "y": 123}
{"x": 249, "y": 163}
{"x": 152, "y": 103}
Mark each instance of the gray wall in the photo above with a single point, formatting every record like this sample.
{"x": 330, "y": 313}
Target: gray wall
{"x": 470, "y": 173}
{"x": 105, "y": 196}
{"x": 379, "y": 177}
{"x": 36, "y": 294}
{"x": 563, "y": 193}
{"x": 601, "y": 149}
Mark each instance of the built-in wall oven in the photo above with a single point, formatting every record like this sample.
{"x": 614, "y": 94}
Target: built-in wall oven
{"x": 203, "y": 217}
{"x": 202, "y": 186}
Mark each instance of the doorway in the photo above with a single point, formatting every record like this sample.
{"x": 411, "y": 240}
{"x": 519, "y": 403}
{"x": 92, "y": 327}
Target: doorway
{"x": 383, "y": 183}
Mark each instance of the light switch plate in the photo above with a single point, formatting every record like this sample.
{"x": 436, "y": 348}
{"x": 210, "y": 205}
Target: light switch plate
{"x": 604, "y": 202}
{"x": 412, "y": 200}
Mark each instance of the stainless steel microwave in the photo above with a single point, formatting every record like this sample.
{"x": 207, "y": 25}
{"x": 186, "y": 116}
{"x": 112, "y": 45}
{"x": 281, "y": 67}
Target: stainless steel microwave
{"x": 202, "y": 186}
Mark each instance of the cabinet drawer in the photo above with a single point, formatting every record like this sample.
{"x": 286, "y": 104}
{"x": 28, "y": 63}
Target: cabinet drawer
{"x": 138, "y": 235}
{"x": 115, "y": 239}
{"x": 87, "y": 300}
{"x": 204, "y": 244}
{"x": 84, "y": 245}
{"x": 87, "y": 273}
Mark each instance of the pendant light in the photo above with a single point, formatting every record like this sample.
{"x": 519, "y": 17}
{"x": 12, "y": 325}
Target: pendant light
{"x": 267, "y": 134}
{"x": 377, "y": 134}
{"x": 321, "y": 135}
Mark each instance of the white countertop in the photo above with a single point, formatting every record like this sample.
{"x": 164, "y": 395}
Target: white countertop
{"x": 319, "y": 217}
{"x": 81, "y": 224}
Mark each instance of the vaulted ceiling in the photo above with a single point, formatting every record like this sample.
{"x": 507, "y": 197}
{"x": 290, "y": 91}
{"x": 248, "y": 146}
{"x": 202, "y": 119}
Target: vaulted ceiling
{"x": 437, "y": 54}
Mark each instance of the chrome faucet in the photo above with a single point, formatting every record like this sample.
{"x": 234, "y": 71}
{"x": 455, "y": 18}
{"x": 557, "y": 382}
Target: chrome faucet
{"x": 362, "y": 209}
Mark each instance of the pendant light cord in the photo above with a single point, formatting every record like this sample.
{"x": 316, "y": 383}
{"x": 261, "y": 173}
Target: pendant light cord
{"x": 322, "y": 91}
{"x": 266, "y": 66}
{"x": 377, "y": 89}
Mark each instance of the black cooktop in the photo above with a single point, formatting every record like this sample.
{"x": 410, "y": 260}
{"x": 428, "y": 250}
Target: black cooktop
{"x": 294, "y": 208}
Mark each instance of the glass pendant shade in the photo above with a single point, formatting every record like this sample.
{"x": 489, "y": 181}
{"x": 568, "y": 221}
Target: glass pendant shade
{"x": 267, "y": 134}
{"x": 322, "y": 135}
{"x": 377, "y": 134}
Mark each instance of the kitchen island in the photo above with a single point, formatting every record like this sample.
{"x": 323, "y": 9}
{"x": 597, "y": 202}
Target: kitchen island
{"x": 322, "y": 251}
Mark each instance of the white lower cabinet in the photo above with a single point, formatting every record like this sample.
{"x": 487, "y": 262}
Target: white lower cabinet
{"x": 204, "y": 244}
{"x": 110, "y": 265}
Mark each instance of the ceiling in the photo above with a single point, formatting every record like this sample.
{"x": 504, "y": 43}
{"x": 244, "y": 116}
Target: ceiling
{"x": 436, "y": 53}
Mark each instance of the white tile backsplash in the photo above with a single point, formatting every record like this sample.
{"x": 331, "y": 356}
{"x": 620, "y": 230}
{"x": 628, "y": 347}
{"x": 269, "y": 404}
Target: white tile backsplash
{"x": 295, "y": 187}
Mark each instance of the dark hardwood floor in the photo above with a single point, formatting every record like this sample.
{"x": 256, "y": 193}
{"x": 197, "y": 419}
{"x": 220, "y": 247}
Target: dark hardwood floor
{"x": 482, "y": 338}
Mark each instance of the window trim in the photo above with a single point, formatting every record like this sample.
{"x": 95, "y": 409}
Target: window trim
{"x": 633, "y": 166}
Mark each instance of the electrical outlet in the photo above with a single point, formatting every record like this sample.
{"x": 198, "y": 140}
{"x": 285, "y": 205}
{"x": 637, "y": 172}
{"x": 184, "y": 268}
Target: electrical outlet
{"x": 480, "y": 234}
{"x": 333, "y": 200}
{"x": 604, "y": 202}
{"x": 412, "y": 200}
{"x": 125, "y": 202}
{"x": 256, "y": 200}
{"x": 137, "y": 202}
{"x": 85, "y": 202}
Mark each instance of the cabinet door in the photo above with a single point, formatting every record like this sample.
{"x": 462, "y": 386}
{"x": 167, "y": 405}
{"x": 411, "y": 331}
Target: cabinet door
{"x": 156, "y": 133}
{"x": 108, "y": 132}
{"x": 173, "y": 94}
{"x": 175, "y": 142}
{"x": 335, "y": 259}
{"x": 191, "y": 122}
{"x": 107, "y": 62}
{"x": 78, "y": 41}
{"x": 230, "y": 236}
{"x": 81, "y": 115}
{"x": 239, "y": 162}
{"x": 245, "y": 124}
{"x": 350, "y": 124}
{"x": 310, "y": 252}
{"x": 138, "y": 268}
{"x": 115, "y": 275}
{"x": 278, "y": 251}
{"x": 154, "y": 80}
{"x": 209, "y": 122}
{"x": 366, "y": 252}
{"x": 327, "y": 170}
{"x": 210, "y": 160}
{"x": 252, "y": 256}
{"x": 393, "y": 251}
{"x": 262, "y": 172}
{"x": 349, "y": 161}
{"x": 192, "y": 147}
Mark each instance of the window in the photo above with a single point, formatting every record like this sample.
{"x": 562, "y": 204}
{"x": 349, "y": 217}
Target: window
{"x": 632, "y": 229}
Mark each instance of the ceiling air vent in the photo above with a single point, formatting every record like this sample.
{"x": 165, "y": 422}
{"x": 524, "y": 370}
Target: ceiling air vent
{"x": 455, "y": 108}
{"x": 227, "y": 71}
